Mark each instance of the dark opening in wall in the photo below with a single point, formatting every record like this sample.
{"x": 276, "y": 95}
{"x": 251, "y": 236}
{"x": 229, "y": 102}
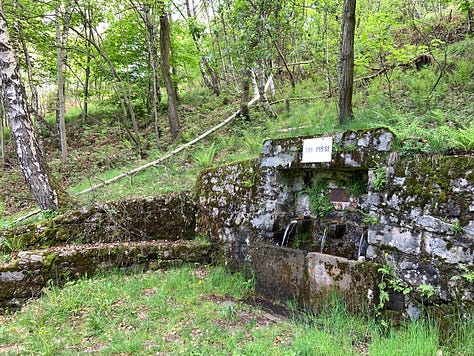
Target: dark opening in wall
{"x": 320, "y": 212}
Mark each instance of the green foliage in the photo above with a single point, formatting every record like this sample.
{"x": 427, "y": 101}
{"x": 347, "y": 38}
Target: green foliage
{"x": 356, "y": 187}
{"x": 320, "y": 204}
{"x": 464, "y": 138}
{"x": 205, "y": 155}
{"x": 389, "y": 281}
{"x": 414, "y": 338}
{"x": 456, "y": 227}
{"x": 379, "y": 180}
{"x": 426, "y": 290}
{"x": 469, "y": 276}
{"x": 368, "y": 219}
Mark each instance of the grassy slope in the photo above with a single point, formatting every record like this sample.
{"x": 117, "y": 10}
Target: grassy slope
{"x": 200, "y": 311}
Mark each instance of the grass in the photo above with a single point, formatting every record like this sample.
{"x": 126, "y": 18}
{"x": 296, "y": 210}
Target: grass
{"x": 190, "y": 310}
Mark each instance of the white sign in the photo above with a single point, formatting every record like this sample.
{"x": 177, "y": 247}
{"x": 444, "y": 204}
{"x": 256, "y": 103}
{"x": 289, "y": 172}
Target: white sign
{"x": 317, "y": 150}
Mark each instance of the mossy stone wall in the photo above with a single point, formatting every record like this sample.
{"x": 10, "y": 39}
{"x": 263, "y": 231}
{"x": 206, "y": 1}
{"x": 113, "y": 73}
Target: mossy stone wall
{"x": 416, "y": 214}
{"x": 167, "y": 217}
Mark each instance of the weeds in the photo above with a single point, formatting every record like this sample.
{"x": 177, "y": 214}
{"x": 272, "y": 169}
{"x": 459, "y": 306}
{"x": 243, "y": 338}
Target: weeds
{"x": 379, "y": 180}
{"x": 320, "y": 204}
{"x": 205, "y": 155}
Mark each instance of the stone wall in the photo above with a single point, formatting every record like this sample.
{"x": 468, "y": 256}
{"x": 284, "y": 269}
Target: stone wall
{"x": 167, "y": 217}
{"x": 28, "y": 272}
{"x": 413, "y": 212}
{"x": 145, "y": 233}
{"x": 425, "y": 228}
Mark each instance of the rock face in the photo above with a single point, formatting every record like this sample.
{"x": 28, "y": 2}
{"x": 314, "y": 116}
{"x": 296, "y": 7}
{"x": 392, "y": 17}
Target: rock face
{"x": 412, "y": 212}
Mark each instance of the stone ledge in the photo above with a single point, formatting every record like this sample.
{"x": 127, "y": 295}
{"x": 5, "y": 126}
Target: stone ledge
{"x": 28, "y": 272}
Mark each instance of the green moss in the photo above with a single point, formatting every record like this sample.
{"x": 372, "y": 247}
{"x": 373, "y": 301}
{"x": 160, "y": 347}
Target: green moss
{"x": 49, "y": 259}
{"x": 428, "y": 178}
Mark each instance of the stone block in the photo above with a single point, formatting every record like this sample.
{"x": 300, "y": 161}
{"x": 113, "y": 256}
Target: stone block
{"x": 401, "y": 238}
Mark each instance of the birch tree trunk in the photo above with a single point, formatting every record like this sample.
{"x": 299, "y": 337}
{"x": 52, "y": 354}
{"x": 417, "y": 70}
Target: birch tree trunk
{"x": 261, "y": 89}
{"x": 2, "y": 137}
{"x": 345, "y": 64}
{"x": 165, "y": 51}
{"x": 29, "y": 155}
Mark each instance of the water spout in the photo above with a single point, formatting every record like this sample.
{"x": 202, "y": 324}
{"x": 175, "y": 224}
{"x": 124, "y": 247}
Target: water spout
{"x": 361, "y": 242}
{"x": 287, "y": 232}
{"x": 323, "y": 240}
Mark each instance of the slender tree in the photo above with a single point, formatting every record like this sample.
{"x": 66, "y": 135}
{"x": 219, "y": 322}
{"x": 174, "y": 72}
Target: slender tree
{"x": 165, "y": 51}
{"x": 146, "y": 12}
{"x": 346, "y": 61}
{"x": 31, "y": 160}
{"x": 61, "y": 43}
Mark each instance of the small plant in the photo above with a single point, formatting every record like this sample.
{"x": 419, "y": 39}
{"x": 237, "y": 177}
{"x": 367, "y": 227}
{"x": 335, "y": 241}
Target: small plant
{"x": 356, "y": 187}
{"x": 469, "y": 276}
{"x": 464, "y": 138}
{"x": 456, "y": 228}
{"x": 205, "y": 155}
{"x": 389, "y": 282}
{"x": 379, "y": 181}
{"x": 426, "y": 290}
{"x": 320, "y": 204}
{"x": 202, "y": 238}
{"x": 368, "y": 219}
{"x": 4, "y": 257}
{"x": 229, "y": 313}
{"x": 251, "y": 181}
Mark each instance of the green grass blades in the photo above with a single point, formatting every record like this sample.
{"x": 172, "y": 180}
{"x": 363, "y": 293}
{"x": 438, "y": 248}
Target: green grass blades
{"x": 199, "y": 311}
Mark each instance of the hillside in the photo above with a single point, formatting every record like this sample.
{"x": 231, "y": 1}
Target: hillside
{"x": 431, "y": 108}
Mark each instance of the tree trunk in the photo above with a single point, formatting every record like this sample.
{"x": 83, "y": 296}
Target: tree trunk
{"x": 326, "y": 55}
{"x": 154, "y": 61}
{"x": 87, "y": 70}
{"x": 29, "y": 155}
{"x": 245, "y": 98}
{"x": 345, "y": 65}
{"x": 61, "y": 43}
{"x": 261, "y": 89}
{"x": 165, "y": 51}
{"x": 290, "y": 73}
